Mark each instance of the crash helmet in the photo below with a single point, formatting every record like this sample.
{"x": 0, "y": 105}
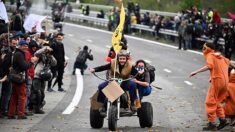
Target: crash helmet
{"x": 123, "y": 53}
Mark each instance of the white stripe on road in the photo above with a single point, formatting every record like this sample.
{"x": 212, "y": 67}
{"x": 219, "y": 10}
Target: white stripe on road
{"x": 148, "y": 61}
{"x": 189, "y": 83}
{"x": 66, "y": 58}
{"x": 78, "y": 94}
{"x": 167, "y": 70}
{"x": 103, "y": 31}
{"x": 88, "y": 40}
{"x": 108, "y": 46}
{"x": 70, "y": 35}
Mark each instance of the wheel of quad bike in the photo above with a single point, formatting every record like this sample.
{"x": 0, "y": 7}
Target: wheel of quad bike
{"x": 96, "y": 121}
{"x": 145, "y": 114}
{"x": 112, "y": 118}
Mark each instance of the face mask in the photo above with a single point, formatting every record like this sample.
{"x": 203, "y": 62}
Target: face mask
{"x": 139, "y": 68}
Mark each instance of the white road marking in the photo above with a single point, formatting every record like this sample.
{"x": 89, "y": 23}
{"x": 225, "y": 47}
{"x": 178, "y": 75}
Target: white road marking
{"x": 108, "y": 46}
{"x": 88, "y": 40}
{"x": 66, "y": 58}
{"x": 70, "y": 35}
{"x": 77, "y": 96}
{"x": 167, "y": 70}
{"x": 99, "y": 30}
{"x": 148, "y": 61}
{"x": 189, "y": 83}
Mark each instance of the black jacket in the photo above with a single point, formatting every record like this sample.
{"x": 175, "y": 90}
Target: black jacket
{"x": 19, "y": 62}
{"x": 58, "y": 53}
{"x": 5, "y": 63}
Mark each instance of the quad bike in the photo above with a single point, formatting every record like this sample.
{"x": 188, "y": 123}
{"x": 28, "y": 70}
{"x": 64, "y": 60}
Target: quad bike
{"x": 114, "y": 110}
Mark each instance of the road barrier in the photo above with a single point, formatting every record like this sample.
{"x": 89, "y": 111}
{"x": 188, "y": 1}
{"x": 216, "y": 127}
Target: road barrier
{"x": 104, "y": 22}
{"x": 172, "y": 33}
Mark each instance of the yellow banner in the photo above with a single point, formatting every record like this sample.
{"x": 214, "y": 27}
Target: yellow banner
{"x": 117, "y": 35}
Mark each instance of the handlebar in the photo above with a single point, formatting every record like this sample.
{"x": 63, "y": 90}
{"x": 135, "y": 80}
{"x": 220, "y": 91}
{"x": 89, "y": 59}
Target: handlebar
{"x": 117, "y": 79}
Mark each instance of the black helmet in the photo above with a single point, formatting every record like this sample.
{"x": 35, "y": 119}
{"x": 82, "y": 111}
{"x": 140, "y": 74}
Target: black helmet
{"x": 46, "y": 74}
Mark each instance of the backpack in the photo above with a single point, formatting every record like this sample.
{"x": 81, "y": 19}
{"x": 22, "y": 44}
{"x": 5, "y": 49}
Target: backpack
{"x": 81, "y": 58}
{"x": 151, "y": 69}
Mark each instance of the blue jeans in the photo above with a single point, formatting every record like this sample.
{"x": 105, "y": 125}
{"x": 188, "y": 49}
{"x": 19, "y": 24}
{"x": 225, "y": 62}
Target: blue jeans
{"x": 28, "y": 92}
{"x": 127, "y": 86}
{"x": 6, "y": 95}
{"x": 144, "y": 91}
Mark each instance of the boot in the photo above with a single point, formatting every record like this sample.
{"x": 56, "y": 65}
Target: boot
{"x": 223, "y": 123}
{"x": 39, "y": 111}
{"x": 61, "y": 89}
{"x": 137, "y": 103}
{"x": 21, "y": 117}
{"x": 50, "y": 90}
{"x": 210, "y": 127}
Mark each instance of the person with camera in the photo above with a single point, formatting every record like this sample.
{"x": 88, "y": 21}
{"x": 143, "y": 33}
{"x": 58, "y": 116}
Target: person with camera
{"x": 46, "y": 60}
{"x": 20, "y": 66}
{"x": 81, "y": 59}
{"x": 6, "y": 57}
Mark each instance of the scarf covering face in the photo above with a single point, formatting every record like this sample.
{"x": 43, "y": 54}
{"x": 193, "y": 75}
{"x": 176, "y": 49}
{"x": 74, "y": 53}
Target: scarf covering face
{"x": 207, "y": 50}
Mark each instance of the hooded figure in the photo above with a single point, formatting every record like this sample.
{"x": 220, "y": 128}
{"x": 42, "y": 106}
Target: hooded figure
{"x": 218, "y": 67}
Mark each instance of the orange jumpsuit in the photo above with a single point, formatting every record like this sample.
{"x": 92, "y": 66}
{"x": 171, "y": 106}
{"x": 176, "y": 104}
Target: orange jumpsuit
{"x": 218, "y": 66}
{"x": 229, "y": 108}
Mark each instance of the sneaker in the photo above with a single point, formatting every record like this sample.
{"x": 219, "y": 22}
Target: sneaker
{"x": 30, "y": 113}
{"x": 210, "y": 127}
{"x": 39, "y": 112}
{"x": 22, "y": 117}
{"x": 50, "y": 90}
{"x": 61, "y": 90}
{"x": 11, "y": 117}
{"x": 223, "y": 123}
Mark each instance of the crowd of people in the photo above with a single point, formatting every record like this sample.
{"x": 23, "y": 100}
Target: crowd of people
{"x": 190, "y": 25}
{"x": 28, "y": 60}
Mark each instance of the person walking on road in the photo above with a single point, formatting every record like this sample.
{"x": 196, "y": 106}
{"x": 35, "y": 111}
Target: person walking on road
{"x": 81, "y": 59}
{"x": 218, "y": 67}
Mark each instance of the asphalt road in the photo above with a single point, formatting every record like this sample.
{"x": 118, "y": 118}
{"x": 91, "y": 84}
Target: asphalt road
{"x": 178, "y": 107}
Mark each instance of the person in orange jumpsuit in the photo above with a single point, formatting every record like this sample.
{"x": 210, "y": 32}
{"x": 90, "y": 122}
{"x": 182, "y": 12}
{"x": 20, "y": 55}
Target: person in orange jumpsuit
{"x": 229, "y": 101}
{"x": 218, "y": 67}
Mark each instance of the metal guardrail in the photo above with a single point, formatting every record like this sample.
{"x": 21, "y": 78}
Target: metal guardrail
{"x": 162, "y": 13}
{"x": 68, "y": 16}
{"x": 82, "y": 18}
{"x": 173, "y": 33}
{"x": 104, "y": 22}
{"x": 142, "y": 11}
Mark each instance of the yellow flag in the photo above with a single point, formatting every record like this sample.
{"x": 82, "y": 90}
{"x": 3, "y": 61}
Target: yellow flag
{"x": 117, "y": 35}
